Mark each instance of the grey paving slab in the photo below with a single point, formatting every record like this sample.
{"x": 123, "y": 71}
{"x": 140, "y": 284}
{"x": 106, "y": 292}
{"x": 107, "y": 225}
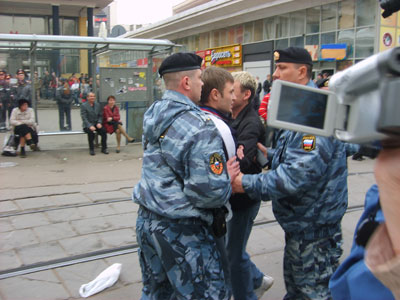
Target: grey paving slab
{"x": 41, "y": 286}
{"x": 130, "y": 271}
{"x": 17, "y": 238}
{"x": 96, "y": 211}
{"x": 82, "y": 244}
{"x": 106, "y": 195}
{"x": 9, "y": 260}
{"x": 54, "y": 232}
{"x": 67, "y": 199}
{"x": 129, "y": 292}
{"x": 122, "y": 220}
{"x": 125, "y": 207}
{"x": 34, "y": 203}
{"x": 29, "y": 220}
{"x": 117, "y": 238}
{"x": 76, "y": 275}
{"x": 86, "y": 226}
{"x": 128, "y": 191}
{"x": 263, "y": 239}
{"x": 5, "y": 225}
{"x": 64, "y": 215}
{"x": 41, "y": 252}
{"x": 8, "y": 206}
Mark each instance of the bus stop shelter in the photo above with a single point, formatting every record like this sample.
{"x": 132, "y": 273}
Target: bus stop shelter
{"x": 124, "y": 68}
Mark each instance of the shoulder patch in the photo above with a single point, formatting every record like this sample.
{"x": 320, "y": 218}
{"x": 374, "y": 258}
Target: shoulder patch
{"x": 216, "y": 164}
{"x": 308, "y": 143}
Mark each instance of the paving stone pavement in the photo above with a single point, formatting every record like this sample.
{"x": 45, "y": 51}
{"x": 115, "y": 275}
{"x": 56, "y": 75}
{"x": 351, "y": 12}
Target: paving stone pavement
{"x": 53, "y": 208}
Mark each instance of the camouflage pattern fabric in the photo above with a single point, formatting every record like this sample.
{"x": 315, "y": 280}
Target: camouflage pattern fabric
{"x": 179, "y": 259}
{"x": 184, "y": 175}
{"x": 184, "y": 166}
{"x": 309, "y": 264}
{"x": 308, "y": 188}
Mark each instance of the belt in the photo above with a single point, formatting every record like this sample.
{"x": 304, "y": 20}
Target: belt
{"x": 148, "y": 214}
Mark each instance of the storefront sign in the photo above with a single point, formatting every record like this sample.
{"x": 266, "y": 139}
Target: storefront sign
{"x": 227, "y": 56}
{"x": 333, "y": 52}
{"x": 313, "y": 50}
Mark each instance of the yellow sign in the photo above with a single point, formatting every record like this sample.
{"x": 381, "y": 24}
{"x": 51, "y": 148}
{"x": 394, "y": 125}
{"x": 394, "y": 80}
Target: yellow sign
{"x": 226, "y": 56}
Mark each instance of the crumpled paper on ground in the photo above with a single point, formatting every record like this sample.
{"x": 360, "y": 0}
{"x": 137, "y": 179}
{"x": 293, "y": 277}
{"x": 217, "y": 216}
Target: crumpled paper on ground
{"x": 104, "y": 280}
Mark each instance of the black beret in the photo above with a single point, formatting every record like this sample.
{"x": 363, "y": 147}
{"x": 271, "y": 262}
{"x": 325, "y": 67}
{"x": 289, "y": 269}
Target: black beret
{"x": 293, "y": 55}
{"x": 22, "y": 101}
{"x": 3, "y": 71}
{"x": 20, "y": 71}
{"x": 180, "y": 62}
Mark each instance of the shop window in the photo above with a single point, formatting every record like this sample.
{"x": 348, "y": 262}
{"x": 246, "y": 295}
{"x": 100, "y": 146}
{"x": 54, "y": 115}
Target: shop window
{"x": 297, "y": 42}
{"x": 204, "y": 40}
{"x": 258, "y": 30}
{"x": 365, "y": 12}
{"x": 69, "y": 27}
{"x": 346, "y": 14}
{"x": 248, "y": 32}
{"x": 281, "y": 44}
{"x": 231, "y": 36}
{"x": 343, "y": 65}
{"x": 297, "y": 22}
{"x": 239, "y": 35}
{"x": 312, "y": 39}
{"x": 328, "y": 38}
{"x": 312, "y": 23}
{"x": 365, "y": 38}
{"x": 6, "y": 24}
{"x": 38, "y": 26}
{"x": 215, "y": 40}
{"x": 282, "y": 26}
{"x": 328, "y": 17}
{"x": 269, "y": 28}
{"x": 347, "y": 37}
{"x": 22, "y": 25}
{"x": 223, "y": 37}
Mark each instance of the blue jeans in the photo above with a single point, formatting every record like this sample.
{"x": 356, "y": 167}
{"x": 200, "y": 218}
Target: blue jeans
{"x": 245, "y": 276}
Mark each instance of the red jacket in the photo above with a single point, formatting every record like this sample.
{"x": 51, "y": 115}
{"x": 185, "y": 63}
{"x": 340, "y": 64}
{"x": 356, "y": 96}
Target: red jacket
{"x": 107, "y": 112}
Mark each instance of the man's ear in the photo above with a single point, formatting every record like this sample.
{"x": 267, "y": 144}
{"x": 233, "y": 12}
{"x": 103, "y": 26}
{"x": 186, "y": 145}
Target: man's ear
{"x": 214, "y": 94}
{"x": 302, "y": 72}
{"x": 247, "y": 94}
{"x": 185, "y": 83}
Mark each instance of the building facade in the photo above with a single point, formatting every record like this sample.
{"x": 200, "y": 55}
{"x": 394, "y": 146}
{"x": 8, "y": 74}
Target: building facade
{"x": 336, "y": 33}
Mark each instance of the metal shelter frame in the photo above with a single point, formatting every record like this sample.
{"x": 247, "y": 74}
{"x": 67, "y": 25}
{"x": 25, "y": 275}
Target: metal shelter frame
{"x": 95, "y": 46}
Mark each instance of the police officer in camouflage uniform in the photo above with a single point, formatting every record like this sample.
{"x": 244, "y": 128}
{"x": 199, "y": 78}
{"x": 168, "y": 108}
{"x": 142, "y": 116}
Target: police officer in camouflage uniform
{"x": 308, "y": 188}
{"x": 184, "y": 178}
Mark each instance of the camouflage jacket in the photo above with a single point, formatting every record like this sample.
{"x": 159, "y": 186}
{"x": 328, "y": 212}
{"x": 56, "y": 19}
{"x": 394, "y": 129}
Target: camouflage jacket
{"x": 184, "y": 167}
{"x": 307, "y": 183}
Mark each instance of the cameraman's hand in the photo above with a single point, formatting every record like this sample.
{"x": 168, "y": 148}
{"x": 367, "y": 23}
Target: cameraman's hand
{"x": 233, "y": 168}
{"x": 387, "y": 174}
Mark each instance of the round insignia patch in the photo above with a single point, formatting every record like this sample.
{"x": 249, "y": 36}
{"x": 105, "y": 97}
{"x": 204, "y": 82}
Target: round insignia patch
{"x": 308, "y": 143}
{"x": 276, "y": 55}
{"x": 216, "y": 164}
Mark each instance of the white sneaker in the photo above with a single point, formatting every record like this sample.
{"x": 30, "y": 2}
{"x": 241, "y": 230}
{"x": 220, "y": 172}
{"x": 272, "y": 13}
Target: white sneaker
{"x": 266, "y": 283}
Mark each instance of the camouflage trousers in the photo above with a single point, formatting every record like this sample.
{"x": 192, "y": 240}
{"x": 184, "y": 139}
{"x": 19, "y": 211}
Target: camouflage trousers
{"x": 309, "y": 264}
{"x": 179, "y": 259}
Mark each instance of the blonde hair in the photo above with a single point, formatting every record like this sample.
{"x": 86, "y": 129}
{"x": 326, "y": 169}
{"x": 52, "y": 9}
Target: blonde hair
{"x": 247, "y": 82}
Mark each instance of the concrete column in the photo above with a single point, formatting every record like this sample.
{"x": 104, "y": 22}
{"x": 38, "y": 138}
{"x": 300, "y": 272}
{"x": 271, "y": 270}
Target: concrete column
{"x": 55, "y": 57}
{"x": 56, "y": 20}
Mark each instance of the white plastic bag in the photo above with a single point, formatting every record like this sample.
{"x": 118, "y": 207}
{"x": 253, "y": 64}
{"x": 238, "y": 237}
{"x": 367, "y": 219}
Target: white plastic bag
{"x": 105, "y": 279}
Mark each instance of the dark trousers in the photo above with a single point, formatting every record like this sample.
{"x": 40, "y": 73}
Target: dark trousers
{"x": 102, "y": 132}
{"x": 64, "y": 109}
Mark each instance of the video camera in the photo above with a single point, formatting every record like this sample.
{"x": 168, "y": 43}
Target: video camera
{"x": 361, "y": 106}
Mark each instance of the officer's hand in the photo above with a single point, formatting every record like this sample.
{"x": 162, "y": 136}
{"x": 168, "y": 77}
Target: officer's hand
{"x": 263, "y": 149}
{"x": 98, "y": 125}
{"x": 233, "y": 168}
{"x": 237, "y": 184}
{"x": 92, "y": 128}
{"x": 388, "y": 178}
